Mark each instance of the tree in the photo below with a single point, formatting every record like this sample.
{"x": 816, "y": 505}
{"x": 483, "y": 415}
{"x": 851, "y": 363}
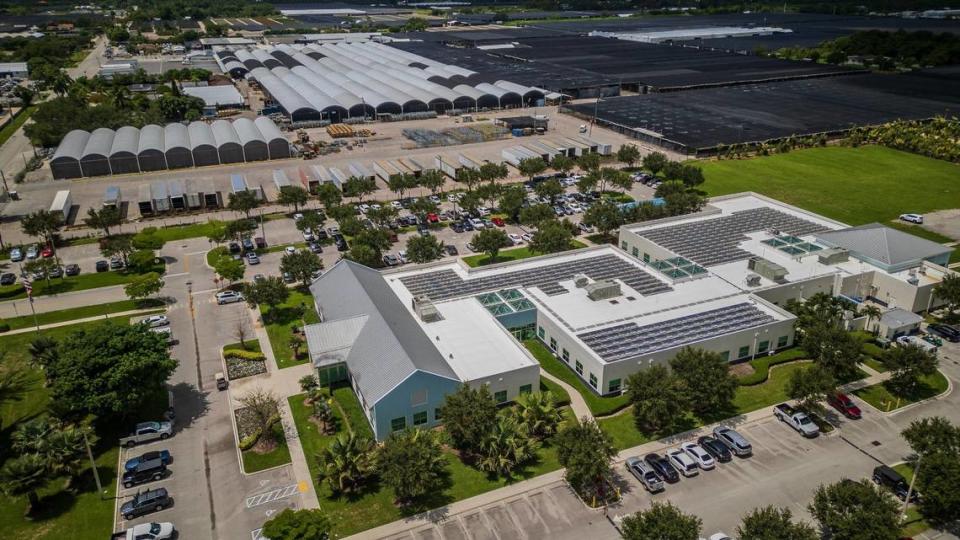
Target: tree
{"x": 628, "y": 154}
{"x": 383, "y": 216}
{"x": 347, "y": 462}
{"x": 512, "y": 199}
{"x": 143, "y": 286}
{"x": 947, "y": 290}
{"x": 91, "y": 370}
{"x": 468, "y": 177}
{"x": 679, "y": 198}
{"x": 833, "y": 348}
{"x": 43, "y": 267}
{"x": 15, "y": 381}
{"x": 142, "y": 261}
{"x": 400, "y": 183}
{"x": 229, "y": 269}
{"x": 552, "y": 236}
{"x": 490, "y": 241}
{"x": 536, "y": 213}
{"x": 468, "y": 416}
{"x": 239, "y": 228}
{"x": 307, "y": 524}
{"x": 691, "y": 175}
{"x": 811, "y": 385}
{"x": 301, "y": 264}
{"x": 329, "y": 196}
{"x": 491, "y": 172}
{"x": 271, "y": 292}
{"x": 243, "y": 201}
{"x": 662, "y": 521}
{"x": 358, "y": 187}
{"x": 908, "y": 363}
{"x": 659, "y": 398}
{"x": 294, "y": 196}
{"x": 605, "y": 216}
{"x": 264, "y": 411}
{"x": 587, "y": 452}
{"x": 531, "y": 167}
{"x": 365, "y": 255}
{"x": 412, "y": 463}
{"x": 589, "y": 162}
{"x": 538, "y": 413}
{"x": 42, "y": 224}
{"x": 423, "y": 249}
{"x": 851, "y": 510}
{"x": 936, "y": 442}
{"x": 706, "y": 376}
{"x": 872, "y": 313}
{"x": 654, "y": 162}
{"x": 771, "y": 523}
{"x": 562, "y": 164}
{"x": 432, "y": 180}
{"x": 24, "y": 475}
{"x": 549, "y": 189}
{"x": 928, "y": 436}
{"x": 106, "y": 217}
{"x": 61, "y": 446}
{"x": 506, "y": 447}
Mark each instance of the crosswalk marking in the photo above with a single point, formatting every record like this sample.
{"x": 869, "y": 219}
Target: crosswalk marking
{"x": 270, "y": 496}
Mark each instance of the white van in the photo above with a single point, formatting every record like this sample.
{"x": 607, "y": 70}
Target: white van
{"x": 918, "y": 342}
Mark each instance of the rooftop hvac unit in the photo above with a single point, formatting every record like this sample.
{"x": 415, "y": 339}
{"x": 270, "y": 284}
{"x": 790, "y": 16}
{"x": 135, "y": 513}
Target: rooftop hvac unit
{"x": 833, "y": 256}
{"x": 768, "y": 269}
{"x": 753, "y": 280}
{"x": 581, "y": 280}
{"x": 602, "y": 290}
{"x": 424, "y": 308}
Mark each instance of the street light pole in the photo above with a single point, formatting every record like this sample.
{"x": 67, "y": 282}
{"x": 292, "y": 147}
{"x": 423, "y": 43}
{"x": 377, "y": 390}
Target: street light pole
{"x": 93, "y": 465}
{"x": 906, "y": 500}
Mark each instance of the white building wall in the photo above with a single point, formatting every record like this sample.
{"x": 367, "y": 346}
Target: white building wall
{"x": 511, "y": 381}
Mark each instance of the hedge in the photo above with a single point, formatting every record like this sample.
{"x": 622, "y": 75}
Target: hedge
{"x": 249, "y": 441}
{"x": 244, "y": 355}
{"x": 762, "y": 365}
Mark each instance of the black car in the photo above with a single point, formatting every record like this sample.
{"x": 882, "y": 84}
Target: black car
{"x": 715, "y": 448}
{"x": 72, "y": 269}
{"x": 102, "y": 266}
{"x": 457, "y": 227}
{"x": 8, "y": 279}
{"x": 145, "y": 472}
{"x": 662, "y": 467}
{"x": 894, "y": 481}
{"x": 467, "y": 226}
{"x": 248, "y": 244}
{"x": 320, "y": 234}
{"x": 145, "y": 502}
{"x": 341, "y": 243}
{"x": 315, "y": 247}
{"x": 451, "y": 250}
{"x": 948, "y": 332}
{"x": 234, "y": 247}
{"x": 56, "y": 271}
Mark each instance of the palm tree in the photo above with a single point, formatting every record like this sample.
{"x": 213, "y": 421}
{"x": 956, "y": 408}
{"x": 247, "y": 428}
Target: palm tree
{"x": 65, "y": 449}
{"x": 42, "y": 350}
{"x": 24, "y": 475}
{"x": 14, "y": 382}
{"x": 538, "y": 413}
{"x": 31, "y": 437}
{"x": 347, "y": 462}
{"x": 324, "y": 414}
{"x": 872, "y": 313}
{"x": 506, "y": 447}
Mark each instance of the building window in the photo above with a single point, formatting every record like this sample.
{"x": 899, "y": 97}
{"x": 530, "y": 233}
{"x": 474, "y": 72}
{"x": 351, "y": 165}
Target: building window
{"x": 593, "y": 380}
{"x": 540, "y": 332}
{"x": 553, "y": 344}
{"x": 725, "y": 355}
{"x": 579, "y": 367}
{"x": 418, "y": 398}
{"x": 566, "y": 356}
{"x": 763, "y": 347}
{"x": 782, "y": 341}
{"x": 500, "y": 397}
{"x": 744, "y": 352}
{"x": 614, "y": 385}
{"x": 437, "y": 414}
{"x": 526, "y": 389}
{"x": 646, "y": 257}
{"x": 420, "y": 418}
{"x": 635, "y": 252}
{"x": 398, "y": 423}
{"x": 623, "y": 245}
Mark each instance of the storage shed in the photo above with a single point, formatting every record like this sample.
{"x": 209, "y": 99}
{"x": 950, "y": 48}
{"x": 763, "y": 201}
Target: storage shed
{"x": 150, "y": 149}
{"x": 66, "y": 160}
{"x": 203, "y": 144}
{"x": 254, "y": 145}
{"x": 96, "y": 154}
{"x": 176, "y": 146}
{"x": 278, "y": 145}
{"x": 229, "y": 147}
{"x": 125, "y": 149}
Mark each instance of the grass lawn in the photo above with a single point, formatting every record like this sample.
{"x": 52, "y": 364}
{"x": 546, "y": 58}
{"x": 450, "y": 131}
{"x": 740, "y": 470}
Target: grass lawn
{"x": 252, "y": 344}
{"x": 761, "y": 365}
{"x": 599, "y": 406}
{"x": 852, "y": 185}
{"x": 82, "y": 312}
{"x": 13, "y": 125}
{"x": 280, "y": 320}
{"x": 68, "y": 284}
{"x": 881, "y": 398}
{"x": 874, "y": 364}
{"x": 374, "y": 506}
{"x": 253, "y": 462}
{"x": 172, "y": 233}
{"x": 560, "y": 395}
{"x": 83, "y": 515}
{"x": 509, "y": 255}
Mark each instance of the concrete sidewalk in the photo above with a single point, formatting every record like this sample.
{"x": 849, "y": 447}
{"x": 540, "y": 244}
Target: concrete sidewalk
{"x": 130, "y": 313}
{"x": 56, "y": 302}
{"x": 577, "y": 403}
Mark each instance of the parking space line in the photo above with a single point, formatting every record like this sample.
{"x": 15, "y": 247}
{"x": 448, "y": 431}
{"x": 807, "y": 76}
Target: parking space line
{"x": 273, "y": 495}
{"x": 257, "y": 534}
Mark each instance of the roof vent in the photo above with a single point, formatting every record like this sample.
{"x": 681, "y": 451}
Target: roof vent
{"x": 581, "y": 280}
{"x": 603, "y": 290}
{"x": 753, "y": 280}
{"x": 833, "y": 256}
{"x": 424, "y": 308}
{"x": 768, "y": 269}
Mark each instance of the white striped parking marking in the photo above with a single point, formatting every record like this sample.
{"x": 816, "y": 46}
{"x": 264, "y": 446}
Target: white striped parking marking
{"x": 257, "y": 534}
{"x": 270, "y": 496}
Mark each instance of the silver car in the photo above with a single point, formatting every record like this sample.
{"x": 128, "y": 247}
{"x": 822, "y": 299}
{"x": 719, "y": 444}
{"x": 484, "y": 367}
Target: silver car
{"x": 734, "y": 441}
{"x": 642, "y": 472}
{"x": 228, "y": 297}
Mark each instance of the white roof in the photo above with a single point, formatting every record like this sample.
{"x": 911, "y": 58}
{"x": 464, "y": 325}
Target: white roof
{"x": 213, "y": 96}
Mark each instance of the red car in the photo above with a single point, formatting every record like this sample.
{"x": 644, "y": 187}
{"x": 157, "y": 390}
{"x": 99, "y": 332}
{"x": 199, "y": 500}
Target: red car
{"x": 46, "y": 252}
{"x": 845, "y": 405}
{"x": 433, "y": 218}
{"x": 498, "y": 222}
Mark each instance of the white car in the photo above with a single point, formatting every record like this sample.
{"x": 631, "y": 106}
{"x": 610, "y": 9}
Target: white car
{"x": 683, "y": 463}
{"x": 363, "y": 208}
{"x": 228, "y": 297}
{"x": 374, "y": 206}
{"x": 704, "y": 460}
{"x": 16, "y": 255}
{"x": 912, "y": 218}
{"x": 435, "y": 198}
{"x": 575, "y": 207}
{"x": 154, "y": 321}
{"x": 151, "y": 531}
{"x": 297, "y": 217}
{"x": 478, "y": 223}
{"x": 483, "y": 211}
{"x": 308, "y": 236}
{"x": 162, "y": 330}
{"x": 402, "y": 255}
{"x": 32, "y": 252}
{"x": 396, "y": 204}
{"x": 290, "y": 250}
{"x": 515, "y": 238}
{"x": 526, "y": 237}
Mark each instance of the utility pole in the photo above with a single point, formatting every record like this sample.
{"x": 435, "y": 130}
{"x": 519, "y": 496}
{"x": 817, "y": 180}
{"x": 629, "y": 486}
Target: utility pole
{"x": 93, "y": 465}
{"x": 906, "y": 500}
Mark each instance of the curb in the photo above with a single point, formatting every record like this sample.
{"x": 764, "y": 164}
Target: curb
{"x": 909, "y": 406}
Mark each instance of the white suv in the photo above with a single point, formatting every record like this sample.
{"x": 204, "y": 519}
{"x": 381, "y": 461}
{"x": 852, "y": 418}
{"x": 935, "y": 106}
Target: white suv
{"x": 704, "y": 460}
{"x": 912, "y": 218}
{"x": 228, "y": 297}
{"x": 683, "y": 463}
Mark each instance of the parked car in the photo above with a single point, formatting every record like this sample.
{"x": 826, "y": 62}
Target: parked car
{"x": 526, "y": 237}
{"x": 72, "y": 269}
{"x": 162, "y": 455}
{"x": 845, "y": 405}
{"x": 700, "y": 456}
{"x": 644, "y": 473}
{"x": 717, "y": 449}
{"x": 46, "y": 252}
{"x": 8, "y": 279}
{"x": 234, "y": 247}
{"x": 457, "y": 227}
{"x": 261, "y": 242}
{"x": 662, "y": 467}
{"x": 146, "y": 531}
{"x": 116, "y": 262}
{"x": 889, "y": 478}
{"x": 390, "y": 260}
{"x": 145, "y": 502}
{"x": 451, "y": 250}
{"x": 433, "y": 218}
{"x": 228, "y": 297}
{"x": 257, "y": 278}
{"x": 948, "y": 332}
{"x": 498, "y": 222}
{"x": 32, "y": 251}
{"x": 515, "y": 238}
{"x": 912, "y": 218}
{"x": 148, "y": 471}
{"x": 315, "y": 247}
{"x": 56, "y": 272}
{"x": 155, "y": 321}
{"x": 734, "y": 441}
{"x": 287, "y": 277}
{"x": 796, "y": 419}
{"x": 290, "y": 250}
{"x": 252, "y": 258}
{"x": 16, "y": 255}
{"x": 102, "y": 266}
{"x": 683, "y": 463}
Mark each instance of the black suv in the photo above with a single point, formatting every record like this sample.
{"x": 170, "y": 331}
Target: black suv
{"x": 715, "y": 448}
{"x": 946, "y": 331}
{"x": 894, "y": 481}
{"x": 145, "y": 502}
{"x": 662, "y": 468}
{"x": 145, "y": 472}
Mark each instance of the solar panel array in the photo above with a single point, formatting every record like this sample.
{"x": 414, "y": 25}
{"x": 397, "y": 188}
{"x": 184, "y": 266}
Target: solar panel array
{"x": 446, "y": 284}
{"x": 631, "y": 340}
{"x": 711, "y": 242}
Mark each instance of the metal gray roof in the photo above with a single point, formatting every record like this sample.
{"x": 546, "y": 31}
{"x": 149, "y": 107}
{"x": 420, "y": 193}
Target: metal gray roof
{"x": 247, "y": 131}
{"x": 898, "y": 318}
{"x": 72, "y": 145}
{"x": 200, "y": 134}
{"x": 391, "y": 346}
{"x": 126, "y": 139}
{"x": 99, "y": 143}
{"x": 268, "y": 129}
{"x": 223, "y": 133}
{"x": 884, "y": 244}
{"x": 151, "y": 138}
{"x": 176, "y": 136}
{"x": 213, "y": 96}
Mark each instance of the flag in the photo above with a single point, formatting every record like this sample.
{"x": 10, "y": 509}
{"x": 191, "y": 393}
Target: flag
{"x": 28, "y": 286}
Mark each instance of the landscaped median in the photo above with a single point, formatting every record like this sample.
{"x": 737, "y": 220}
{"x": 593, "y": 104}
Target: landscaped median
{"x": 281, "y": 321}
{"x": 83, "y": 312}
{"x": 244, "y": 359}
{"x": 883, "y": 398}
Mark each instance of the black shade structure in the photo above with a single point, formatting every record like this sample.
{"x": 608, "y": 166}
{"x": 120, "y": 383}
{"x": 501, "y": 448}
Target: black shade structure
{"x": 150, "y": 149}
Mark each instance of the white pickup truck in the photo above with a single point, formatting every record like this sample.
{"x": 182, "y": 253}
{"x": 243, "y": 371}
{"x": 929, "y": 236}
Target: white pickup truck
{"x": 798, "y": 420}
{"x": 147, "y": 431}
{"x": 146, "y": 531}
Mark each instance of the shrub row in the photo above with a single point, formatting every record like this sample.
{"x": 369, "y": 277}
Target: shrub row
{"x": 762, "y": 365}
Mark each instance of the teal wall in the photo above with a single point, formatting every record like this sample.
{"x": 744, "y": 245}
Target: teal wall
{"x": 398, "y": 402}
